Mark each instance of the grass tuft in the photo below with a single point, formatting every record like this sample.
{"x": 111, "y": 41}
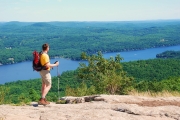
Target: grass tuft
{"x": 155, "y": 94}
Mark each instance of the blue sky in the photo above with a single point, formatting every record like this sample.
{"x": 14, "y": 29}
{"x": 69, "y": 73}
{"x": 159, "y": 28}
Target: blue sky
{"x": 88, "y": 10}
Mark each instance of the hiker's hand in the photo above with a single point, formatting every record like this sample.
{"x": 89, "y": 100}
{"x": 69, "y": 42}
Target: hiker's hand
{"x": 57, "y": 63}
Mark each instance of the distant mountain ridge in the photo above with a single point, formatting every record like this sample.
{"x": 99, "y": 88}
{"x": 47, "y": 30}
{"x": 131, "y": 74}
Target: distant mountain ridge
{"x": 70, "y": 39}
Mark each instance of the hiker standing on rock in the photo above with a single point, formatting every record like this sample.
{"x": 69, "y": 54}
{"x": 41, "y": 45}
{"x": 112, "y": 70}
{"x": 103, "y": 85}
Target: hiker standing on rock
{"x": 45, "y": 74}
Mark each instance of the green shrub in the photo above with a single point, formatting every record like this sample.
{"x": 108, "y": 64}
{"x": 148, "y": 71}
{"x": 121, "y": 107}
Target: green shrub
{"x": 3, "y": 93}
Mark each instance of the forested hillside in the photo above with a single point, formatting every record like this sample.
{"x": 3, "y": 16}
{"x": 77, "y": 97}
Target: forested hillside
{"x": 68, "y": 39}
{"x": 152, "y": 69}
{"x": 169, "y": 54}
{"x": 155, "y": 75}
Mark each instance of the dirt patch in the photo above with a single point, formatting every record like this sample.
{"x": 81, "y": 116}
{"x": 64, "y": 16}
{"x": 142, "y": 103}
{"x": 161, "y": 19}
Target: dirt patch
{"x": 156, "y": 103}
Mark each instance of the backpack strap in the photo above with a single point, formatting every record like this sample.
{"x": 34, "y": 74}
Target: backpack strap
{"x": 44, "y": 66}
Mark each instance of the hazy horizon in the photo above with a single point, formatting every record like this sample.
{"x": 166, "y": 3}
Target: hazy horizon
{"x": 88, "y": 10}
{"x": 101, "y": 21}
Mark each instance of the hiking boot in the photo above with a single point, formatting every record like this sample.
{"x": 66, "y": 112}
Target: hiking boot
{"x": 46, "y": 101}
{"x": 42, "y": 102}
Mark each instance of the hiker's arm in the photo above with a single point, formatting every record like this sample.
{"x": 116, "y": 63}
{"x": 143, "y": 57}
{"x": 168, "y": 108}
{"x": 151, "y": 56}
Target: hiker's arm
{"x": 52, "y": 65}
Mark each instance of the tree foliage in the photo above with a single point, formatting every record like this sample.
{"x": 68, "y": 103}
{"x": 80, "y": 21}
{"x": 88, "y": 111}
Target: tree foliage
{"x": 169, "y": 54}
{"x": 170, "y": 84}
{"x": 112, "y": 79}
{"x": 3, "y": 92}
{"x": 152, "y": 69}
{"x": 68, "y": 39}
{"x": 106, "y": 75}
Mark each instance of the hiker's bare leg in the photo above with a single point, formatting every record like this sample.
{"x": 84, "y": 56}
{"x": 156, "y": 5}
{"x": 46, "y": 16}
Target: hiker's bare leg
{"x": 45, "y": 89}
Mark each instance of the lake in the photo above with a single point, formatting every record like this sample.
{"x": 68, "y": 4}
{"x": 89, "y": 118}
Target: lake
{"x": 24, "y": 71}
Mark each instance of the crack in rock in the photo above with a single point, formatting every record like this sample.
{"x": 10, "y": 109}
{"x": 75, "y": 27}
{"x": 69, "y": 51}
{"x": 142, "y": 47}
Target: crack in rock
{"x": 150, "y": 113}
{"x": 126, "y": 111}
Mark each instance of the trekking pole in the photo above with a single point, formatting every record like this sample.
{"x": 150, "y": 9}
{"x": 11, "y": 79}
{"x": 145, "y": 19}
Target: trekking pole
{"x": 58, "y": 75}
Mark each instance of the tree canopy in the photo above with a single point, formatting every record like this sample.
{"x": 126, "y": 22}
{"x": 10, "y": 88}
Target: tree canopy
{"x": 68, "y": 39}
{"x": 106, "y": 75}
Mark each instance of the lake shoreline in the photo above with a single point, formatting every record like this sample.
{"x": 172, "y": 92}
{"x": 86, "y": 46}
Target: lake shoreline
{"x": 24, "y": 70}
{"x": 56, "y": 57}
